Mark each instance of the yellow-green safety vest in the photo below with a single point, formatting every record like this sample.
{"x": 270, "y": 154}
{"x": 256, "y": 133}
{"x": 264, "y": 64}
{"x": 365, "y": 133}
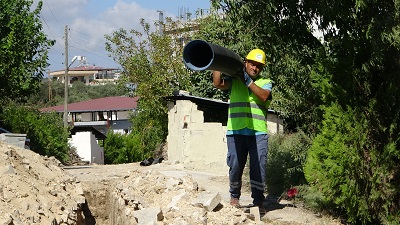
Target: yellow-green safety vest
{"x": 246, "y": 110}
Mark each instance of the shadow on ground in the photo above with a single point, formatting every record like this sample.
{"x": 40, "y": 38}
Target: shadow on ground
{"x": 272, "y": 203}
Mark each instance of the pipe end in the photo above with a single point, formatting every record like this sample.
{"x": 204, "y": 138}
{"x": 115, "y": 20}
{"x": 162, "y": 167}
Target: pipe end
{"x": 198, "y": 55}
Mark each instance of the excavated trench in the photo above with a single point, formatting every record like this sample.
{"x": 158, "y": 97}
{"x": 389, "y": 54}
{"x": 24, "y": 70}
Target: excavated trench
{"x": 97, "y": 208}
{"x": 165, "y": 194}
{"x": 40, "y": 190}
{"x": 97, "y": 187}
{"x": 117, "y": 197}
{"x": 115, "y": 201}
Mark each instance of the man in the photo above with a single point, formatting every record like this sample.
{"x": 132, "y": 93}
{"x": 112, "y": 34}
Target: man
{"x": 247, "y": 126}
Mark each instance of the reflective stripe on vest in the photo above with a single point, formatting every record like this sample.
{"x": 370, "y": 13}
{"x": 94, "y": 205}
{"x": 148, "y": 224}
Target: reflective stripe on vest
{"x": 247, "y": 111}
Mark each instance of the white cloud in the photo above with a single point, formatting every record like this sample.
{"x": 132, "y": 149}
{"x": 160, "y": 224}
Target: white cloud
{"x": 88, "y": 27}
{"x": 121, "y": 15}
{"x": 61, "y": 11}
{"x": 128, "y": 15}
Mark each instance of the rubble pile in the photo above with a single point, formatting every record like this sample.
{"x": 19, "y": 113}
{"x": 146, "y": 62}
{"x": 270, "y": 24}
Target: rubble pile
{"x": 35, "y": 190}
{"x": 153, "y": 198}
{"x": 40, "y": 190}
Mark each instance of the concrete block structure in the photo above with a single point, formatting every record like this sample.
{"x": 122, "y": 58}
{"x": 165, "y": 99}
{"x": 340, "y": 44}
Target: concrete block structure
{"x": 198, "y": 142}
{"x": 193, "y": 142}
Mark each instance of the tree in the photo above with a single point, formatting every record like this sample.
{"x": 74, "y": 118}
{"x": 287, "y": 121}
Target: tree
{"x": 354, "y": 160}
{"x": 45, "y": 130}
{"x": 341, "y": 88}
{"x": 292, "y": 53}
{"x": 23, "y": 48}
{"x": 77, "y": 92}
{"x": 153, "y": 63}
{"x": 121, "y": 148}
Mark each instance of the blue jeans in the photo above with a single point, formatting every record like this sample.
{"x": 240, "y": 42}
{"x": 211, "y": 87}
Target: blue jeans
{"x": 239, "y": 147}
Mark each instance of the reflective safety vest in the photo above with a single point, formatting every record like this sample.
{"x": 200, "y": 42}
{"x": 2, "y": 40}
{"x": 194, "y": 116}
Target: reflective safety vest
{"x": 246, "y": 110}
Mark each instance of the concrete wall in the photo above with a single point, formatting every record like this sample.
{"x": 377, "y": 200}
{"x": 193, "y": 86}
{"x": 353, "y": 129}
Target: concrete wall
{"x": 198, "y": 145}
{"x": 87, "y": 147}
{"x": 195, "y": 144}
{"x": 13, "y": 139}
{"x": 275, "y": 124}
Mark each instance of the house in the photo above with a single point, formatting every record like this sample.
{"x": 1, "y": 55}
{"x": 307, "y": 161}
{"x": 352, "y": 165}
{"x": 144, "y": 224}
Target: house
{"x": 102, "y": 113}
{"x": 92, "y": 119}
{"x": 197, "y": 132}
{"x": 89, "y": 75}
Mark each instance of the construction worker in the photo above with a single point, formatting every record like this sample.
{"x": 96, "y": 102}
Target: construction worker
{"x": 247, "y": 126}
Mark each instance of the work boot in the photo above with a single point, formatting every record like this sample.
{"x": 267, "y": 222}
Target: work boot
{"x": 262, "y": 211}
{"x": 261, "y": 208}
{"x": 235, "y": 202}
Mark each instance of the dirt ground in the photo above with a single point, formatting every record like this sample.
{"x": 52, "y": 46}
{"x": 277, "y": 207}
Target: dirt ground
{"x": 282, "y": 213}
{"x": 40, "y": 190}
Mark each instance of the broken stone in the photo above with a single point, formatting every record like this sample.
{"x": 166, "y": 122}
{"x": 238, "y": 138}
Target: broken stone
{"x": 148, "y": 215}
{"x": 6, "y": 219}
{"x": 256, "y": 214}
{"x": 175, "y": 200}
{"x": 9, "y": 170}
{"x": 207, "y": 200}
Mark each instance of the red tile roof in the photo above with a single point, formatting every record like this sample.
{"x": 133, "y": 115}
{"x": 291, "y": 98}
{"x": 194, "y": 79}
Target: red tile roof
{"x": 84, "y": 68}
{"x": 119, "y": 103}
{"x": 89, "y": 68}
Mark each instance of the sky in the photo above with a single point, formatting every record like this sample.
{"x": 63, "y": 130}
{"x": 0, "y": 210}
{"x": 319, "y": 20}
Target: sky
{"x": 89, "y": 20}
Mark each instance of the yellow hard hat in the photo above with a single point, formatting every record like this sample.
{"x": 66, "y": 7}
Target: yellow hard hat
{"x": 256, "y": 55}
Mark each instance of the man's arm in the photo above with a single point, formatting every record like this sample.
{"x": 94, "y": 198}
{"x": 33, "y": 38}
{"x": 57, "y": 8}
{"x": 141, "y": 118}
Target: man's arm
{"x": 219, "y": 82}
{"x": 261, "y": 94}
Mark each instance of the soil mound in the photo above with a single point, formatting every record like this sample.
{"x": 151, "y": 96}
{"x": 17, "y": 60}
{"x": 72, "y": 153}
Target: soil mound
{"x": 35, "y": 190}
{"x": 40, "y": 190}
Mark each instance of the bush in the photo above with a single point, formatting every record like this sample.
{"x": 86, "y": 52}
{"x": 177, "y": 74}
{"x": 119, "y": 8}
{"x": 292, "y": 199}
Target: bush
{"x": 286, "y": 157}
{"x": 122, "y": 148}
{"x": 45, "y": 130}
{"x": 151, "y": 128}
{"x": 350, "y": 173}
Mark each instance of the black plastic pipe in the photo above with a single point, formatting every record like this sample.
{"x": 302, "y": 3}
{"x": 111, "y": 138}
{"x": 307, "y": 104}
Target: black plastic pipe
{"x": 200, "y": 55}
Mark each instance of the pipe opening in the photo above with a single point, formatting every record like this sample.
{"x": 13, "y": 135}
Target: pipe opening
{"x": 198, "y": 55}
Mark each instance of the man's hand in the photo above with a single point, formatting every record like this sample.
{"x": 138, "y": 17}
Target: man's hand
{"x": 220, "y": 83}
{"x": 246, "y": 79}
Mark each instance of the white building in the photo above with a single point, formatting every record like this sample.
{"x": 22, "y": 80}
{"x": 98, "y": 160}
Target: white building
{"x": 92, "y": 119}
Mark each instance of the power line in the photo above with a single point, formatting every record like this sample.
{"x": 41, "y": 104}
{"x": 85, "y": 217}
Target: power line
{"x": 55, "y": 61}
{"x": 91, "y": 51}
{"x": 78, "y": 44}
{"x": 54, "y": 49}
{"x": 101, "y": 45}
{"x": 52, "y": 33}
{"x": 89, "y": 48}
{"x": 48, "y": 6}
{"x": 87, "y": 35}
{"x": 47, "y": 25}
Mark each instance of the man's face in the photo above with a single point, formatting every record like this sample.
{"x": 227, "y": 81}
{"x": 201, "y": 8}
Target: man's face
{"x": 253, "y": 68}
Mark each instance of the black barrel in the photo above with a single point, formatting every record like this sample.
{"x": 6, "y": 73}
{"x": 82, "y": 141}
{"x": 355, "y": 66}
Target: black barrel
{"x": 200, "y": 55}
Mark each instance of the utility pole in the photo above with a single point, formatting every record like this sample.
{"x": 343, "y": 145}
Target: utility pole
{"x": 49, "y": 81}
{"x": 66, "y": 79}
